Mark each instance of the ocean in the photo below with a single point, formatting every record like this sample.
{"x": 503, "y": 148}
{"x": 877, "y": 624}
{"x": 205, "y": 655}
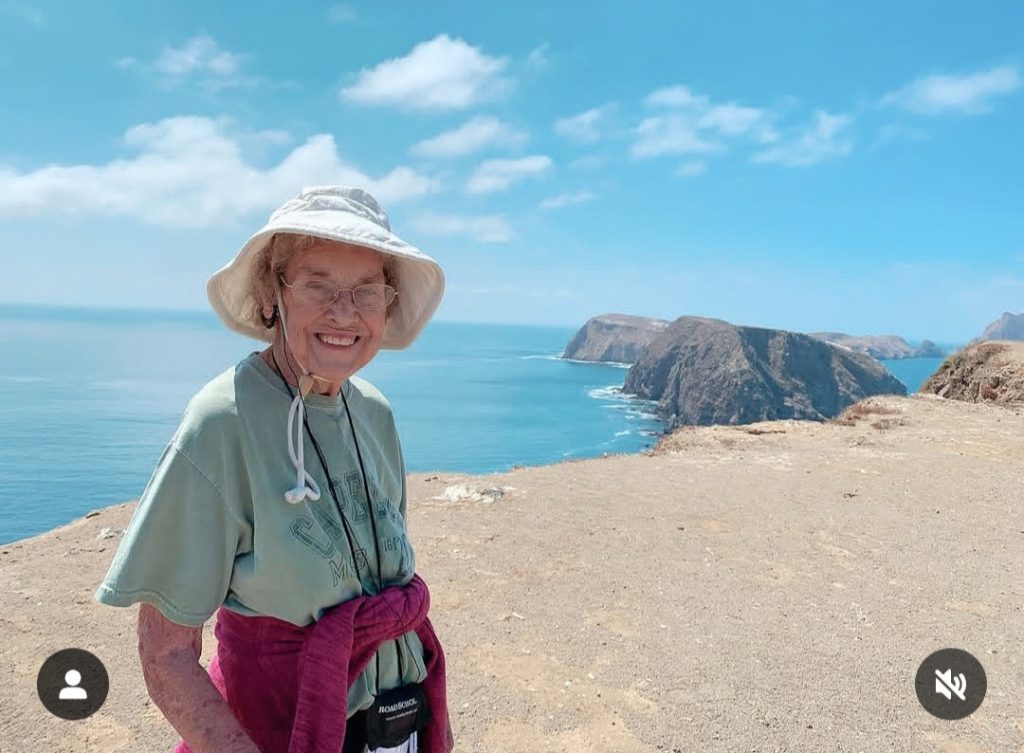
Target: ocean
{"x": 89, "y": 398}
{"x": 914, "y": 371}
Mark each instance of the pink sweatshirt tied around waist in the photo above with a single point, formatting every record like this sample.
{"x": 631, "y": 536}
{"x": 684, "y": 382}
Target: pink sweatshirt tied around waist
{"x": 288, "y": 685}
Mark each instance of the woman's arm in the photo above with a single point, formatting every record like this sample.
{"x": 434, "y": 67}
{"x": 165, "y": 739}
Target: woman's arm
{"x": 182, "y": 689}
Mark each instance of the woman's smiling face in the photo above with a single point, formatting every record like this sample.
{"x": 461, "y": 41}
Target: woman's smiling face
{"x": 321, "y": 337}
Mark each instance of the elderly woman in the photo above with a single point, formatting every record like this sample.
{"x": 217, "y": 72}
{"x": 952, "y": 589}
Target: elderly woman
{"x": 280, "y": 504}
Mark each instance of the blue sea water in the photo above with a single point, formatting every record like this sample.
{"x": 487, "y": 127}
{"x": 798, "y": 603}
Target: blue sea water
{"x": 88, "y": 399}
{"x": 914, "y": 371}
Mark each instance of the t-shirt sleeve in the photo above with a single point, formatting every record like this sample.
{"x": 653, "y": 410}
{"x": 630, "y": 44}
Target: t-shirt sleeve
{"x": 179, "y": 549}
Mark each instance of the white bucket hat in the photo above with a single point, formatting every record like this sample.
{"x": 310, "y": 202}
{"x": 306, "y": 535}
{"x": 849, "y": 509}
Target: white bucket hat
{"x": 335, "y": 213}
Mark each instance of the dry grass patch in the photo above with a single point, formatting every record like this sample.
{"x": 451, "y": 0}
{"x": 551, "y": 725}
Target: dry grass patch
{"x": 886, "y": 423}
{"x": 864, "y": 409}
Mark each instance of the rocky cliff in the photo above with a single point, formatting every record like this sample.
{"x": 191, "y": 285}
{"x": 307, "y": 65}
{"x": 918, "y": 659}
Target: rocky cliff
{"x": 881, "y": 346}
{"x": 707, "y": 371}
{"x": 1007, "y": 327}
{"x": 613, "y": 337}
{"x": 991, "y": 371}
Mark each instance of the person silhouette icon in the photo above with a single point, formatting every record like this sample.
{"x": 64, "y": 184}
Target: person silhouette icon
{"x": 72, "y": 692}
{"x": 63, "y": 680}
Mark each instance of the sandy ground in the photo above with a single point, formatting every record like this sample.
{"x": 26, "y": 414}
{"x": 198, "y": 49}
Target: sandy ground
{"x": 763, "y": 588}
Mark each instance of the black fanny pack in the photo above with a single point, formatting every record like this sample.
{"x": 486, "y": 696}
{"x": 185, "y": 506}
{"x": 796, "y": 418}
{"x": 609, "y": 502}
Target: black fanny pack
{"x": 395, "y": 715}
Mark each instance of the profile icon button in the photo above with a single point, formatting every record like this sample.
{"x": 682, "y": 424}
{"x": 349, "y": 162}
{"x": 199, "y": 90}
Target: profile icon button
{"x": 951, "y": 684}
{"x": 72, "y": 684}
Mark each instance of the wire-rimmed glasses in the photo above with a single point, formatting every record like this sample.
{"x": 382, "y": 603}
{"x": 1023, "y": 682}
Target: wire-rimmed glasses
{"x": 373, "y": 296}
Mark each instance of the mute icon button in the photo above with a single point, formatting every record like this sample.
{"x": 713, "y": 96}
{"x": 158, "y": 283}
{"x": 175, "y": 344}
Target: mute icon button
{"x": 951, "y": 684}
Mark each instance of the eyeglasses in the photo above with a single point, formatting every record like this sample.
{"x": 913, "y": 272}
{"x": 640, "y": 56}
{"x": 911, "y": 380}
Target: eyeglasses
{"x": 374, "y": 296}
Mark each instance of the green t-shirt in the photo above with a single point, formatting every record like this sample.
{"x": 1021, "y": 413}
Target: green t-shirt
{"x": 212, "y": 527}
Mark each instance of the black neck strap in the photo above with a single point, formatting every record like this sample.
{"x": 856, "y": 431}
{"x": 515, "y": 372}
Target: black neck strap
{"x": 352, "y": 542}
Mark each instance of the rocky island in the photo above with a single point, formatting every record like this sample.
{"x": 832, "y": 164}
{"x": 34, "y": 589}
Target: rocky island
{"x": 881, "y": 346}
{"x": 708, "y": 371}
{"x": 614, "y": 338}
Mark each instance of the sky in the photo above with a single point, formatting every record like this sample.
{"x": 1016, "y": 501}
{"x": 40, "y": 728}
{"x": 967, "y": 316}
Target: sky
{"x": 802, "y": 165}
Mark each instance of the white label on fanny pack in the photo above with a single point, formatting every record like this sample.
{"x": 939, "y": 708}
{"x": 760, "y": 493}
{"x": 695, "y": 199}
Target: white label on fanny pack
{"x": 409, "y": 746}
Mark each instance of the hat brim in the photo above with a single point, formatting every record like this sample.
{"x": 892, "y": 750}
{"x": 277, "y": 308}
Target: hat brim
{"x": 418, "y": 278}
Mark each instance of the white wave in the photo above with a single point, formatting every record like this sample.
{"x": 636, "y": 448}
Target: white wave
{"x": 623, "y": 433}
{"x": 614, "y": 364}
{"x": 611, "y": 392}
{"x": 559, "y": 357}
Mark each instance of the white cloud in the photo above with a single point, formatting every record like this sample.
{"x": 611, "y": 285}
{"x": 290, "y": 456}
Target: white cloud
{"x": 693, "y": 124}
{"x": 821, "y": 140}
{"x": 200, "y": 58}
{"x": 691, "y": 169}
{"x": 670, "y": 134}
{"x": 484, "y": 229}
{"x": 442, "y": 74}
{"x": 565, "y": 199}
{"x": 970, "y": 94}
{"x": 340, "y": 14}
{"x": 479, "y": 133}
{"x": 192, "y": 172}
{"x": 675, "y": 96}
{"x": 735, "y": 120}
{"x": 269, "y": 137}
{"x": 584, "y": 127}
{"x": 499, "y": 174}
{"x": 200, "y": 53}
{"x": 538, "y": 57}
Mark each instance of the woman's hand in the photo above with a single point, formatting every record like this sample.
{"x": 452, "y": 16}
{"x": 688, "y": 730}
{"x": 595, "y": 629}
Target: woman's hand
{"x": 182, "y": 689}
